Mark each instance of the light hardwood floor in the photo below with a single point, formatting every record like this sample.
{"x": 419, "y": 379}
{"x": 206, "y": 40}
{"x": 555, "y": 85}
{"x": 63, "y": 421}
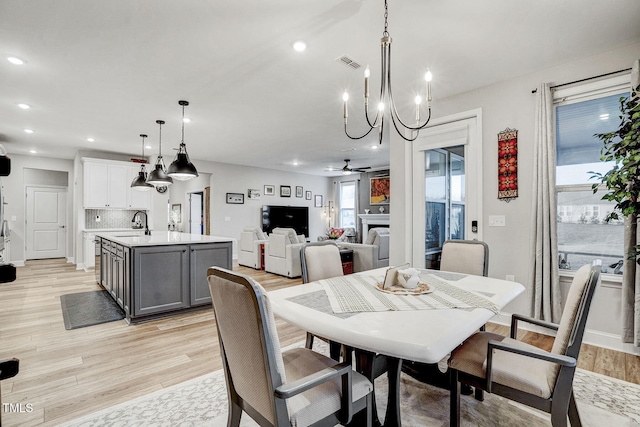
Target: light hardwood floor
{"x": 67, "y": 374}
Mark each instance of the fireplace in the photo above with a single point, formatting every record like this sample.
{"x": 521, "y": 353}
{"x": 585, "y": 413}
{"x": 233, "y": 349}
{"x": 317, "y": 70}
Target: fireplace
{"x": 372, "y": 221}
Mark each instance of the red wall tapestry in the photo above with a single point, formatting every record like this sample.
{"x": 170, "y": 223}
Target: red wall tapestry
{"x": 508, "y": 164}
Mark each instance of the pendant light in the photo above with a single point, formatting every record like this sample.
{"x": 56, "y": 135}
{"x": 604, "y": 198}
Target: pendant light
{"x": 181, "y": 168}
{"x": 158, "y": 177}
{"x": 140, "y": 182}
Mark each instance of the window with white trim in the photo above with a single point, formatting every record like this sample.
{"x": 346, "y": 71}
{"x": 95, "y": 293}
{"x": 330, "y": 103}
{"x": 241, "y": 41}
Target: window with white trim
{"x": 347, "y": 212}
{"x": 583, "y": 235}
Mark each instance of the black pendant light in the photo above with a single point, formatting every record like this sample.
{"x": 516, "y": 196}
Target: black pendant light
{"x": 140, "y": 182}
{"x": 158, "y": 177}
{"x": 181, "y": 168}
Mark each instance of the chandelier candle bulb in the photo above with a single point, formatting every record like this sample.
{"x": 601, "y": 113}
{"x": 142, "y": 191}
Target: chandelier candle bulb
{"x": 367, "y": 73}
{"x": 345, "y": 98}
{"x": 418, "y": 100}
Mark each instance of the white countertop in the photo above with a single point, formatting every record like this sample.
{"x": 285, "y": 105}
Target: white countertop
{"x": 157, "y": 238}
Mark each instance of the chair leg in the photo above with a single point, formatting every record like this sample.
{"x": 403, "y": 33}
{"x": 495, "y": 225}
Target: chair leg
{"x": 454, "y": 406}
{"x": 309, "y": 343}
{"x": 235, "y": 413}
{"x": 574, "y": 415}
{"x": 479, "y": 394}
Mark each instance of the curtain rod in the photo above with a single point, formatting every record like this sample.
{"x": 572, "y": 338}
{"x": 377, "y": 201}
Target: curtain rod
{"x": 588, "y": 78}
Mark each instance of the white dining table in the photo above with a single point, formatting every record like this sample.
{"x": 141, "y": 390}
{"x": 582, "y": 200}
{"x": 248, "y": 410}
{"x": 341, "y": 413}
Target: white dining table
{"x": 383, "y": 339}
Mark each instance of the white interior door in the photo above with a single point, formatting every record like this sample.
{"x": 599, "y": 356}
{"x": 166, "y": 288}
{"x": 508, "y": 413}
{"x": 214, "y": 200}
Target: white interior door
{"x": 46, "y": 233}
{"x": 195, "y": 213}
{"x": 447, "y": 187}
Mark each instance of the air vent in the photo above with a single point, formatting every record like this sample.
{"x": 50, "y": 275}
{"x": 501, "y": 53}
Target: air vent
{"x": 349, "y": 62}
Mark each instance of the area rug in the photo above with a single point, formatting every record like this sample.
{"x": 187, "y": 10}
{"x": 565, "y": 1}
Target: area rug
{"x": 89, "y": 308}
{"x": 202, "y": 401}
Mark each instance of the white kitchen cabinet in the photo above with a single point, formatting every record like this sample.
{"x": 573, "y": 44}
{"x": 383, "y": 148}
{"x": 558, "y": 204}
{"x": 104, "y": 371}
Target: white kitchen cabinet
{"x": 89, "y": 250}
{"x": 105, "y": 185}
{"x": 137, "y": 199}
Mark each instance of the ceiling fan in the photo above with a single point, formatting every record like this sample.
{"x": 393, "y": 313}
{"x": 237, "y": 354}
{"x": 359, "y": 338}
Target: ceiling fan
{"x": 348, "y": 169}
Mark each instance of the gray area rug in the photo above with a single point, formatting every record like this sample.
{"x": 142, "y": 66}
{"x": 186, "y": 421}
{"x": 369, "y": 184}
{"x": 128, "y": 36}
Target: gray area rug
{"x": 89, "y": 308}
{"x": 202, "y": 401}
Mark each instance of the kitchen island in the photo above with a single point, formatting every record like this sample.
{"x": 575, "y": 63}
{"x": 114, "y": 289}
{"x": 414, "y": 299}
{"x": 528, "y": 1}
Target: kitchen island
{"x": 162, "y": 274}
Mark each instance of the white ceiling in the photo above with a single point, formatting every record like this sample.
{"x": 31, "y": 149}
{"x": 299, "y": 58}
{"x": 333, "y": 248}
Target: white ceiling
{"x": 109, "y": 69}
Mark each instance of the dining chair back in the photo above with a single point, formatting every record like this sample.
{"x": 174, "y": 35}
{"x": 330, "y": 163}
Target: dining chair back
{"x": 465, "y": 256}
{"x": 294, "y": 388}
{"x": 525, "y": 373}
{"x": 320, "y": 260}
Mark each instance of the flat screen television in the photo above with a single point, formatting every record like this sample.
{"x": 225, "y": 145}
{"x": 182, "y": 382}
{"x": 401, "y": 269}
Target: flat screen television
{"x": 296, "y": 217}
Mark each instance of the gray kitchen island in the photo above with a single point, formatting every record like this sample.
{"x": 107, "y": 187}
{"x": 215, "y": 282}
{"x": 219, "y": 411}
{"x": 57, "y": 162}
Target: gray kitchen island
{"x": 162, "y": 274}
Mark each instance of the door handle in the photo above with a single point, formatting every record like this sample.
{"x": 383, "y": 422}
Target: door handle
{"x": 62, "y": 226}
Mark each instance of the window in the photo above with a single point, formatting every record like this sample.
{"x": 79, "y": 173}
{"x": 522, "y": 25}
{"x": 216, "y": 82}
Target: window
{"x": 582, "y": 233}
{"x": 444, "y": 198}
{"x": 347, "y": 204}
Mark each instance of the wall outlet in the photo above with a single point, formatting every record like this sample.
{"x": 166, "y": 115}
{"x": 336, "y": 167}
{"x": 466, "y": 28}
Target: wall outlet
{"x": 227, "y": 218}
{"x": 510, "y": 277}
{"x": 14, "y": 218}
{"x": 98, "y": 218}
{"x": 497, "y": 221}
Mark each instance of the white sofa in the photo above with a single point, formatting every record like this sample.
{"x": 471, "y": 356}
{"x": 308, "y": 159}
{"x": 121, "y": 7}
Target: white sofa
{"x": 249, "y": 247}
{"x": 282, "y": 252}
{"x": 373, "y": 253}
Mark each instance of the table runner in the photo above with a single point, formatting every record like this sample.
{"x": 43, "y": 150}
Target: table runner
{"x": 357, "y": 293}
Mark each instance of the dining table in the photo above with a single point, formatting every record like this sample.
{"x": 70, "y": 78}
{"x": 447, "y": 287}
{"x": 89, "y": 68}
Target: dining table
{"x": 385, "y": 327}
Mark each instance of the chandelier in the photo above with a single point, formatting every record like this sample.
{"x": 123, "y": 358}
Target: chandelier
{"x": 386, "y": 96}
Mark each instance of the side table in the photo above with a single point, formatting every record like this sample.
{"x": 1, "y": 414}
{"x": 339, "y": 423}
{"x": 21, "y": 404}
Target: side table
{"x": 346, "y": 256}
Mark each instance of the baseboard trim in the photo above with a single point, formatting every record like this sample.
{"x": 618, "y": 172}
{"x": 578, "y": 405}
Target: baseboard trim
{"x": 592, "y": 337}
{"x": 19, "y": 263}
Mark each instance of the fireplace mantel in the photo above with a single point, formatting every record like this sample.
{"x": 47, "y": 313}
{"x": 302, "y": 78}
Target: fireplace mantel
{"x": 372, "y": 220}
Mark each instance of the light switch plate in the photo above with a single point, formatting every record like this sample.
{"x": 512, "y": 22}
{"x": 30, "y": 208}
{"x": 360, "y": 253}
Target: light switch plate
{"x": 497, "y": 221}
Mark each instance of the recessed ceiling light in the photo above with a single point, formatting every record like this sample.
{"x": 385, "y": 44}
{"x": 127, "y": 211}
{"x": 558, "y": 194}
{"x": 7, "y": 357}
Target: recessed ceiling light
{"x": 295, "y": 163}
{"x": 24, "y": 106}
{"x": 148, "y": 147}
{"x": 299, "y": 46}
{"x": 374, "y": 147}
{"x": 90, "y": 139}
{"x": 28, "y": 130}
{"x": 33, "y": 151}
{"x": 186, "y": 120}
{"x": 15, "y": 61}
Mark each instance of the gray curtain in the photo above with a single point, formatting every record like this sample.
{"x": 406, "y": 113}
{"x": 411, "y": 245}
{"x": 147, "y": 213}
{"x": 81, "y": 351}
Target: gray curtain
{"x": 544, "y": 277}
{"x": 631, "y": 272}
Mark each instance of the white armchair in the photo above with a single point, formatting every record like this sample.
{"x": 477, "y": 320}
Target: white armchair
{"x": 282, "y": 252}
{"x": 373, "y": 253}
{"x": 249, "y": 247}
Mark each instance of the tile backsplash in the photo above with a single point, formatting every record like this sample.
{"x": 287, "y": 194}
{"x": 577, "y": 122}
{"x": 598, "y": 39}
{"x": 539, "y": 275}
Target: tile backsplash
{"x": 109, "y": 218}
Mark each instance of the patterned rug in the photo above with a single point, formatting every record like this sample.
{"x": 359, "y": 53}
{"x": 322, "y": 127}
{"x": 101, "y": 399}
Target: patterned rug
{"x": 202, "y": 401}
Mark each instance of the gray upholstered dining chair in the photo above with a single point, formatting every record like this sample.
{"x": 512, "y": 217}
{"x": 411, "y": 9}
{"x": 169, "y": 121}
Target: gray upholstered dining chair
{"x": 321, "y": 260}
{"x": 294, "y": 388}
{"x": 525, "y": 373}
{"x": 465, "y": 256}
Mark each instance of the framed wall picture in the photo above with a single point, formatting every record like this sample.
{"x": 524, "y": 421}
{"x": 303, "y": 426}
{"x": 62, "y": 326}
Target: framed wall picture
{"x": 269, "y": 190}
{"x": 380, "y": 190}
{"x": 308, "y": 195}
{"x": 318, "y": 201}
{"x": 298, "y": 191}
{"x": 235, "y": 198}
{"x": 285, "y": 191}
{"x": 253, "y": 193}
{"x": 176, "y": 213}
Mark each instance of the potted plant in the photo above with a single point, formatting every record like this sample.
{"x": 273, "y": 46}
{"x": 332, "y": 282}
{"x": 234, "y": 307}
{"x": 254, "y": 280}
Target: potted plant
{"x": 622, "y": 146}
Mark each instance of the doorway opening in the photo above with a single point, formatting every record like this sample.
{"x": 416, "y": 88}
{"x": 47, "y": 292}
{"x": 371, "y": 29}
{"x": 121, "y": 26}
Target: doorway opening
{"x": 196, "y": 212}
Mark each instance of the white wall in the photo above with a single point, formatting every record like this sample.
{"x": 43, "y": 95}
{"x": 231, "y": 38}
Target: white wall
{"x": 511, "y": 104}
{"x": 228, "y": 220}
{"x": 14, "y": 195}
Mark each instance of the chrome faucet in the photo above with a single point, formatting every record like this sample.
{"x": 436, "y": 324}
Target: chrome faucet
{"x": 147, "y": 232}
